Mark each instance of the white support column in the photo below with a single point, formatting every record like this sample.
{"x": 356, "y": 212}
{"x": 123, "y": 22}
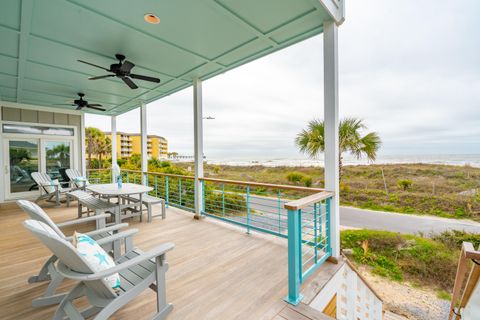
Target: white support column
{"x": 143, "y": 130}
{"x": 332, "y": 182}
{"x": 198, "y": 144}
{"x": 114, "y": 143}
{"x": 83, "y": 160}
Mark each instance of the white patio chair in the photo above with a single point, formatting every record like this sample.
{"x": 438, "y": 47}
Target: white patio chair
{"x": 138, "y": 272}
{"x": 48, "y": 189}
{"x": 112, "y": 243}
{"x": 78, "y": 181}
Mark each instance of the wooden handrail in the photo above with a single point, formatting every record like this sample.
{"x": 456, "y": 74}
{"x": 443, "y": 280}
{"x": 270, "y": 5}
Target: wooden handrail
{"x": 103, "y": 169}
{"x": 467, "y": 253}
{"x": 226, "y": 181}
{"x": 265, "y": 185}
{"x": 160, "y": 174}
{"x": 306, "y": 201}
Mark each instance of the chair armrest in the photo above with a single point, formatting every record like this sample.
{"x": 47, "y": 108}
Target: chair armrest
{"x": 158, "y": 251}
{"x": 117, "y": 236}
{"x": 83, "y": 220}
{"x": 114, "y": 227}
{"x": 102, "y": 230}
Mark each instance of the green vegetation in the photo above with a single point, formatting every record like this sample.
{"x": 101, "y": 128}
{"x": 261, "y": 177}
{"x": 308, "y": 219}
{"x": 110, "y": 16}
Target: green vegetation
{"x": 444, "y": 295}
{"x": 441, "y": 190}
{"x": 298, "y": 177}
{"x": 311, "y": 141}
{"x": 405, "y": 184}
{"x": 98, "y": 145}
{"x": 423, "y": 261}
{"x": 295, "y": 176}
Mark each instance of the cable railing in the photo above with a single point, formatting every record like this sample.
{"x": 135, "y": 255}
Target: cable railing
{"x": 469, "y": 262}
{"x": 309, "y": 244}
{"x": 97, "y": 176}
{"x": 300, "y": 214}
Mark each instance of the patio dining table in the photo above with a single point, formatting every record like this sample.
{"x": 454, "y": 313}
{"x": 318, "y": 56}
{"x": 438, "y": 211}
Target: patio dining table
{"x": 112, "y": 190}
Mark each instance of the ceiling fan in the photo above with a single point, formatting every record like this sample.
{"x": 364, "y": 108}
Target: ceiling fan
{"x": 80, "y": 103}
{"x": 121, "y": 70}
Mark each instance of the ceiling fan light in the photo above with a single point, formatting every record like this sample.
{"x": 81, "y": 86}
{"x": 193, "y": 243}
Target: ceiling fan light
{"x": 151, "y": 18}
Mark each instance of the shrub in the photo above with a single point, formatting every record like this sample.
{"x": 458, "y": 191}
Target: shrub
{"x": 454, "y": 238}
{"x": 399, "y": 256}
{"x": 405, "y": 184}
{"x": 307, "y": 181}
{"x": 295, "y": 176}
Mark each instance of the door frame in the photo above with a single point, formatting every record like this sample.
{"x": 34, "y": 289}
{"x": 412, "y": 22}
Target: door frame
{"x": 6, "y": 194}
{"x": 6, "y": 161}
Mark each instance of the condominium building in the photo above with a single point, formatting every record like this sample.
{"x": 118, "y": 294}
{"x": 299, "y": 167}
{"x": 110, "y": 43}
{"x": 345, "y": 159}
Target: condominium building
{"x": 130, "y": 143}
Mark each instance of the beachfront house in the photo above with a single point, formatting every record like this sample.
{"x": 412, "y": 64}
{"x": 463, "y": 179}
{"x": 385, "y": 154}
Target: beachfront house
{"x": 254, "y": 250}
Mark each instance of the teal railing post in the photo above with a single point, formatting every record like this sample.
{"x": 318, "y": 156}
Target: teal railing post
{"x": 248, "y": 209}
{"x": 223, "y": 199}
{"x": 166, "y": 191}
{"x": 315, "y": 232}
{"x": 294, "y": 256}
{"x": 202, "y": 210}
{"x": 327, "y": 226}
{"x": 180, "y": 191}
{"x": 279, "y": 212}
{"x": 156, "y": 186}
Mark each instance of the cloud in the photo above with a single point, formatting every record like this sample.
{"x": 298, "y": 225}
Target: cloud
{"x": 410, "y": 69}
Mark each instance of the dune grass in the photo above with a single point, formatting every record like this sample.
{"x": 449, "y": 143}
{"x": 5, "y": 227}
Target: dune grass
{"x": 422, "y": 261}
{"x": 440, "y": 190}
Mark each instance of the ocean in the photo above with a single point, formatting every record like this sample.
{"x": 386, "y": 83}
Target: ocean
{"x": 450, "y": 159}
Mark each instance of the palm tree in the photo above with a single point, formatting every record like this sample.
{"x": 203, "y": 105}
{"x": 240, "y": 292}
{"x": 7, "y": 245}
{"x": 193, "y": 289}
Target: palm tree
{"x": 311, "y": 141}
{"x": 103, "y": 148}
{"x": 92, "y": 135}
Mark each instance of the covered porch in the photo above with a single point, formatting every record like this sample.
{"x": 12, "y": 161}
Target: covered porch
{"x": 216, "y": 269}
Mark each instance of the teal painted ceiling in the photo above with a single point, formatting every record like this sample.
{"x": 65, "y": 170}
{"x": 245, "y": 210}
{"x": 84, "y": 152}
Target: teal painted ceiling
{"x": 41, "y": 41}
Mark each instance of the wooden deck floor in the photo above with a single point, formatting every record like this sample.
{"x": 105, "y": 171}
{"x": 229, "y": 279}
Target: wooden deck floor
{"x": 216, "y": 271}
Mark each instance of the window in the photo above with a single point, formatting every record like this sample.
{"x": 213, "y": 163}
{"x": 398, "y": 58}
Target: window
{"x": 37, "y": 130}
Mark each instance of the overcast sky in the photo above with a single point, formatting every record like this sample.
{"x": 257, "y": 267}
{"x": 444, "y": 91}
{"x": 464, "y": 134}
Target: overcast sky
{"x": 410, "y": 69}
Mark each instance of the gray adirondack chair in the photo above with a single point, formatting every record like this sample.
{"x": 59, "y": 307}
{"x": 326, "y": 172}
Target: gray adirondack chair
{"x": 137, "y": 271}
{"x": 105, "y": 236}
{"x": 74, "y": 175}
{"x": 48, "y": 190}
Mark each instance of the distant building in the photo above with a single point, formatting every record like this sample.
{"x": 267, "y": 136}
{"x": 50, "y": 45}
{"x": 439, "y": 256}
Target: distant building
{"x": 129, "y": 143}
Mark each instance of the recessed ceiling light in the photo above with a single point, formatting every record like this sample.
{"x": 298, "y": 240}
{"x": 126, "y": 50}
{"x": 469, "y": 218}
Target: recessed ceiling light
{"x": 151, "y": 18}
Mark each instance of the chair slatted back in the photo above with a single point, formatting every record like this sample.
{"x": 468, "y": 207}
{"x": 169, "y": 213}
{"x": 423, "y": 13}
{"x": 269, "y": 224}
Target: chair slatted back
{"x": 74, "y": 174}
{"x": 41, "y": 179}
{"x": 36, "y": 213}
{"x": 68, "y": 255}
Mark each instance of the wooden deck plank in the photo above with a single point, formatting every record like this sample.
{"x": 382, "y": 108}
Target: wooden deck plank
{"x": 216, "y": 271}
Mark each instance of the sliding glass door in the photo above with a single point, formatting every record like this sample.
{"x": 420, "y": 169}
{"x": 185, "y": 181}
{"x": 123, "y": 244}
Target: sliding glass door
{"x": 22, "y": 157}
{"x": 57, "y": 159}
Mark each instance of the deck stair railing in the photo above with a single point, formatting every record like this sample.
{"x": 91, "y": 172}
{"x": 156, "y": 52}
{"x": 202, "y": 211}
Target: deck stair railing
{"x": 469, "y": 262}
{"x": 309, "y": 243}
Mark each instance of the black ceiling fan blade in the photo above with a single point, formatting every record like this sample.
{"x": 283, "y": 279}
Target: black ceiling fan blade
{"x": 127, "y": 66}
{"x": 79, "y": 108}
{"x": 94, "y": 65}
{"x": 93, "y": 106}
{"x": 129, "y": 83}
{"x": 146, "y": 78}
{"x": 101, "y": 77}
